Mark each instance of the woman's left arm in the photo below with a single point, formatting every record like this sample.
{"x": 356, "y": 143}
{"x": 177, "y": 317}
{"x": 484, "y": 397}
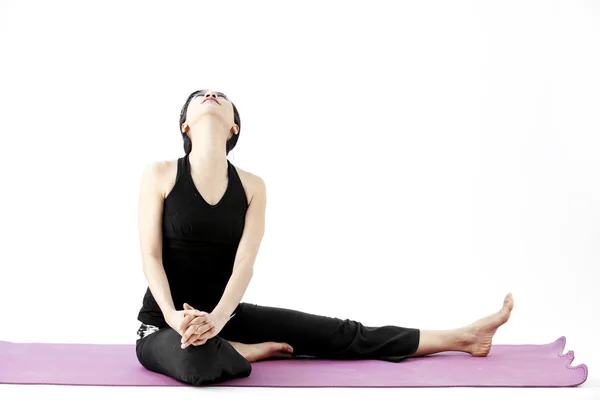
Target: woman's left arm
{"x": 247, "y": 251}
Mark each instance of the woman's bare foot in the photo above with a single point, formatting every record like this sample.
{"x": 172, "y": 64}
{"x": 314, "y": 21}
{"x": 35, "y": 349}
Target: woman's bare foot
{"x": 263, "y": 351}
{"x": 480, "y": 333}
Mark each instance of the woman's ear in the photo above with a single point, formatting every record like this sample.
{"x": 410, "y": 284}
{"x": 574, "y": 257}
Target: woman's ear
{"x": 233, "y": 131}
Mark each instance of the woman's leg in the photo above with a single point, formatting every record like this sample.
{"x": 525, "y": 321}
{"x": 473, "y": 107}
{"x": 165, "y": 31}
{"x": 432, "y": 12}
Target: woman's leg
{"x": 319, "y": 336}
{"x": 262, "y": 331}
{"x": 214, "y": 361}
{"x": 475, "y": 339}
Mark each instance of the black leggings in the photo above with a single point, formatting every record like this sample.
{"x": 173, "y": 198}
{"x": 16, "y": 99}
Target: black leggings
{"x": 308, "y": 334}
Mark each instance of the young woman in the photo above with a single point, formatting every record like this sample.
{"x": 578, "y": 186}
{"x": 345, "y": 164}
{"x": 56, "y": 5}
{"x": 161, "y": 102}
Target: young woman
{"x": 201, "y": 222}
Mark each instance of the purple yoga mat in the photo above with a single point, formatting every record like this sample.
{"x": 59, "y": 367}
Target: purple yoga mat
{"x": 117, "y": 365}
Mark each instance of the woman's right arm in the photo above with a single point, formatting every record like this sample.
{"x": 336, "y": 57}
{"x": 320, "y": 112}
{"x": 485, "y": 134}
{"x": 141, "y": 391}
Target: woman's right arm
{"x": 150, "y": 209}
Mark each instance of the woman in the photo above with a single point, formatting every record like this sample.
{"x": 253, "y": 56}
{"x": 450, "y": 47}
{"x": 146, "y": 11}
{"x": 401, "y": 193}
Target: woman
{"x": 201, "y": 222}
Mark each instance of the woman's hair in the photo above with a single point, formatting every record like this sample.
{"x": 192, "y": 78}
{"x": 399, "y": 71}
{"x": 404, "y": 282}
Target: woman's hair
{"x": 187, "y": 142}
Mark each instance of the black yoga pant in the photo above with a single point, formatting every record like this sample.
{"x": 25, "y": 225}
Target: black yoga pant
{"x": 308, "y": 334}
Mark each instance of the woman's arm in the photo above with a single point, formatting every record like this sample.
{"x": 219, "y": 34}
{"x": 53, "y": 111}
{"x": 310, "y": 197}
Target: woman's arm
{"x": 243, "y": 266}
{"x": 150, "y": 210}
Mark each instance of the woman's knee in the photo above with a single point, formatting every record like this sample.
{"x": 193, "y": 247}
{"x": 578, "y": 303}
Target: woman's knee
{"x": 200, "y": 365}
{"x": 138, "y": 349}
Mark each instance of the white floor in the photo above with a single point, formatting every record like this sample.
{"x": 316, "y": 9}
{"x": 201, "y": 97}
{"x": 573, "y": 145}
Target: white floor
{"x": 589, "y": 390}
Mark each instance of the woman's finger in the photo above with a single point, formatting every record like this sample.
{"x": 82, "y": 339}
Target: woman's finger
{"x": 195, "y": 321}
{"x": 190, "y": 315}
{"x": 195, "y": 330}
{"x": 194, "y": 312}
{"x": 188, "y": 333}
{"x": 198, "y": 340}
{"x": 201, "y": 340}
{"x": 189, "y": 309}
{"x": 206, "y": 334}
{"x": 203, "y": 319}
{"x": 199, "y": 335}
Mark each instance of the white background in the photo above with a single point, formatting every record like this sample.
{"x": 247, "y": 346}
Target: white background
{"x": 422, "y": 159}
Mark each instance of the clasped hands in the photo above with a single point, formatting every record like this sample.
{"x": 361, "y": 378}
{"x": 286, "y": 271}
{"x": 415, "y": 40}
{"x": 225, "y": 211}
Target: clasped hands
{"x": 194, "y": 326}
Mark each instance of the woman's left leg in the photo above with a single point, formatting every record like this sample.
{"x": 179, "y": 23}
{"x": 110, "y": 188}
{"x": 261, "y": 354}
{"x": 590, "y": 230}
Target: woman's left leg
{"x": 320, "y": 336}
{"x": 326, "y": 337}
{"x": 475, "y": 339}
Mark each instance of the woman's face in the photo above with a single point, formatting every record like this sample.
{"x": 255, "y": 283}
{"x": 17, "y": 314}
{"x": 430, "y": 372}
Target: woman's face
{"x": 209, "y": 102}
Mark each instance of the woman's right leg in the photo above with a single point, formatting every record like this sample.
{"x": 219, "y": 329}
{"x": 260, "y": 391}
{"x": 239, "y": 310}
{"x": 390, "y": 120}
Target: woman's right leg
{"x": 214, "y": 361}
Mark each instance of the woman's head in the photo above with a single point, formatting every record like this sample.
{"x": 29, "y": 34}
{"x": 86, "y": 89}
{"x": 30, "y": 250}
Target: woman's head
{"x": 214, "y": 104}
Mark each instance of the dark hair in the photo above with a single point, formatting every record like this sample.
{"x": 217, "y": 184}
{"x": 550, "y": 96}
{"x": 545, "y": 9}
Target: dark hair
{"x": 187, "y": 142}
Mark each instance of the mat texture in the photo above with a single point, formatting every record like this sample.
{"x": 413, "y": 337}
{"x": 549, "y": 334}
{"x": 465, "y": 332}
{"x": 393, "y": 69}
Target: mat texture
{"x": 116, "y": 365}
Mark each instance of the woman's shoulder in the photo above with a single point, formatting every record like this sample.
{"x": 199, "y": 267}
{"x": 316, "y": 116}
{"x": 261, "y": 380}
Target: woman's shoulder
{"x": 165, "y": 166}
{"x": 161, "y": 169}
{"x": 251, "y": 182}
{"x": 162, "y": 173}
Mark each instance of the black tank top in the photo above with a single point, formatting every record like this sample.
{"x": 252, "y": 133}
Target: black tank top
{"x": 200, "y": 241}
